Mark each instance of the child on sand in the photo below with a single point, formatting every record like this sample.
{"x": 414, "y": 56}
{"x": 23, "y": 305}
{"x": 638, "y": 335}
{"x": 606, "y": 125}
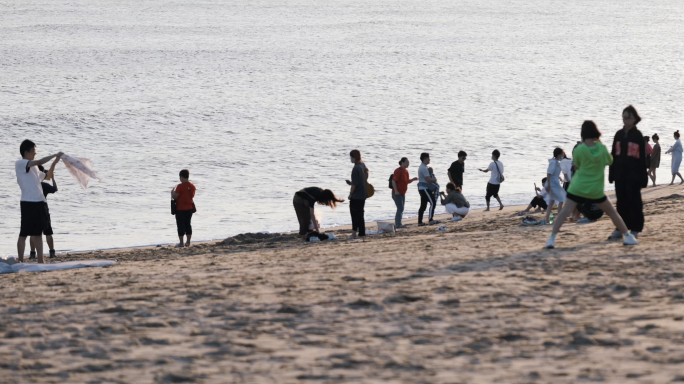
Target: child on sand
{"x": 47, "y": 189}
{"x": 587, "y": 187}
{"x": 185, "y": 207}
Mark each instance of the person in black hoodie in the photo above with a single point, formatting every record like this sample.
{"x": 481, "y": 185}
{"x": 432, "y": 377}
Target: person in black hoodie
{"x": 628, "y": 171}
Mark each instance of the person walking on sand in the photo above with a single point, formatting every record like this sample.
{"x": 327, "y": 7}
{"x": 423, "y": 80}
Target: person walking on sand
{"x": 358, "y": 194}
{"x": 48, "y": 232}
{"x": 457, "y": 169}
{"x": 185, "y": 207}
{"x": 676, "y": 151}
{"x": 587, "y": 187}
{"x": 304, "y": 201}
{"x": 497, "y": 169}
{"x": 628, "y": 171}
{"x": 655, "y": 159}
{"x": 400, "y": 182}
{"x": 34, "y": 214}
{"x": 427, "y": 193}
{"x": 553, "y": 186}
{"x": 454, "y": 202}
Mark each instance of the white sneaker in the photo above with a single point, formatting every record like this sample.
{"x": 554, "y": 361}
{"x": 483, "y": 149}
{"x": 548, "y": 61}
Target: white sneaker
{"x": 636, "y": 234}
{"x": 615, "y": 235}
{"x": 629, "y": 239}
{"x": 457, "y": 218}
{"x": 551, "y": 242}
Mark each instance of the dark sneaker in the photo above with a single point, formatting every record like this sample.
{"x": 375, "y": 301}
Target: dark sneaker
{"x": 32, "y": 255}
{"x": 52, "y": 254}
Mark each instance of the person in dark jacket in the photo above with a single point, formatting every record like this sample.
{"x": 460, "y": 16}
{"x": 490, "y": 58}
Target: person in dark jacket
{"x": 304, "y": 202}
{"x": 357, "y": 194}
{"x": 628, "y": 172}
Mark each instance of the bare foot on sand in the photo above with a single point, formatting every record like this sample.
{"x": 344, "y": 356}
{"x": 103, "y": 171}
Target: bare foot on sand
{"x": 179, "y": 245}
{"x": 486, "y": 210}
{"x": 501, "y": 207}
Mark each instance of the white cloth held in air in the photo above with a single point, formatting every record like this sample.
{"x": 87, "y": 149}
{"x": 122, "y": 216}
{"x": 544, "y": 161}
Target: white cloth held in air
{"x": 80, "y": 169}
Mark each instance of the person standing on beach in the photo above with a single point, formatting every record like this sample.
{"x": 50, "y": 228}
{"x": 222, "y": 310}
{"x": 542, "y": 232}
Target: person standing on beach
{"x": 400, "y": 182}
{"x": 628, "y": 171}
{"x": 34, "y": 214}
{"x": 553, "y": 187}
{"x": 304, "y": 201}
{"x": 358, "y": 194}
{"x": 457, "y": 169}
{"x": 655, "y": 159}
{"x": 185, "y": 207}
{"x": 48, "y": 232}
{"x": 676, "y": 151}
{"x": 649, "y": 153}
{"x": 427, "y": 195}
{"x": 497, "y": 169}
{"x": 591, "y": 159}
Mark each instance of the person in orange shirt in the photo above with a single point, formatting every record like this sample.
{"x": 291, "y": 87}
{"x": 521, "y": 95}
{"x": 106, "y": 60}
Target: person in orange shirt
{"x": 185, "y": 207}
{"x": 400, "y": 182}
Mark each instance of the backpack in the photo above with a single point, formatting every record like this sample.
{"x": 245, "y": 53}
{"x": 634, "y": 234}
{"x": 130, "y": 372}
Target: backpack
{"x": 390, "y": 181}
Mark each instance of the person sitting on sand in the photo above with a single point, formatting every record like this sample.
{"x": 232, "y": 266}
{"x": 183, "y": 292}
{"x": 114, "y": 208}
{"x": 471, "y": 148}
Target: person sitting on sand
{"x": 552, "y": 186}
{"x": 539, "y": 201}
{"x": 34, "y": 214}
{"x": 496, "y": 168}
{"x": 185, "y": 207}
{"x": 304, "y": 201}
{"x": 48, "y": 232}
{"x": 591, "y": 159}
{"x": 455, "y": 203}
{"x": 676, "y": 151}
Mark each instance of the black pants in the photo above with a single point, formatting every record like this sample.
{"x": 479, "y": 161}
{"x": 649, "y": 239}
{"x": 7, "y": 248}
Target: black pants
{"x": 426, "y": 196}
{"x": 539, "y": 202}
{"x": 492, "y": 191}
{"x": 183, "y": 222}
{"x": 303, "y": 211}
{"x": 629, "y": 204}
{"x": 356, "y": 208}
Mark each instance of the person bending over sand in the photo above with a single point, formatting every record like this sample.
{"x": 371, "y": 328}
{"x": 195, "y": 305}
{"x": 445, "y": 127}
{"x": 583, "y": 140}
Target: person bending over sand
{"x": 304, "y": 201}
{"x": 587, "y": 187}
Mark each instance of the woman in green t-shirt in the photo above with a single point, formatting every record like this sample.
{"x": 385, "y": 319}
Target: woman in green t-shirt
{"x": 591, "y": 158}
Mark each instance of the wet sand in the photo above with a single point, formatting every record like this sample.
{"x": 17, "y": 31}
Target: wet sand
{"x": 480, "y": 303}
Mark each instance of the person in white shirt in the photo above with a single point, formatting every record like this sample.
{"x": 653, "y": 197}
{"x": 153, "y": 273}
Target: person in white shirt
{"x": 497, "y": 169}
{"x": 566, "y": 167}
{"x": 34, "y": 215}
{"x": 540, "y": 200}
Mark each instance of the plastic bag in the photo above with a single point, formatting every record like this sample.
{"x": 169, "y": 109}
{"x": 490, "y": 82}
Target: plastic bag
{"x": 80, "y": 169}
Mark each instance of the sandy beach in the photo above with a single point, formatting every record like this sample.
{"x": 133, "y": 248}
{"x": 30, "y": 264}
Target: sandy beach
{"x": 479, "y": 303}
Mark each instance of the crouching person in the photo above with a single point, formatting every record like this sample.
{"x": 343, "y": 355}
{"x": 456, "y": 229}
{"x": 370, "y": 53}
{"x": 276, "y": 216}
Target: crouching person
{"x": 454, "y": 202}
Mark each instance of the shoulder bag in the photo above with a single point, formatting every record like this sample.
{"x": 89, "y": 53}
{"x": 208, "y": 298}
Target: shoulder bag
{"x": 501, "y": 176}
{"x": 370, "y": 190}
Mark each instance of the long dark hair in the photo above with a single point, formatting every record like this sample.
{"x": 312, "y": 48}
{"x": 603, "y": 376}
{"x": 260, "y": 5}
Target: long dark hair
{"x": 328, "y": 198}
{"x": 590, "y": 130}
{"x": 557, "y": 152}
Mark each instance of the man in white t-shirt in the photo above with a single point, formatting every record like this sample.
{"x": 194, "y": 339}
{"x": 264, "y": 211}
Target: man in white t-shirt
{"x": 34, "y": 216}
{"x": 497, "y": 169}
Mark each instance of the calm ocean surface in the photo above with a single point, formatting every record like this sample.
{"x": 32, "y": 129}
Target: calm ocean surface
{"x": 261, "y": 98}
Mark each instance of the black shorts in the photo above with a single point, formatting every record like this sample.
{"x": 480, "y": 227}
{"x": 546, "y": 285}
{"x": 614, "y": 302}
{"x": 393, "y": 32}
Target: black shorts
{"x": 35, "y": 218}
{"x": 48, "y": 226}
{"x": 492, "y": 190}
{"x": 584, "y": 200}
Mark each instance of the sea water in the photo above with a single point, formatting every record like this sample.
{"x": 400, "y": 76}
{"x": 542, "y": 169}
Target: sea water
{"x": 261, "y": 98}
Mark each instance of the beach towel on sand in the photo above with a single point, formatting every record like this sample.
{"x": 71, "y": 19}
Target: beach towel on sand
{"x": 25, "y": 267}
{"x": 80, "y": 169}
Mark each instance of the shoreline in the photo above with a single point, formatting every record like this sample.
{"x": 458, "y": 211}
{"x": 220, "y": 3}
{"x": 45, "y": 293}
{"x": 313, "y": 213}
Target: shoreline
{"x": 443, "y": 218}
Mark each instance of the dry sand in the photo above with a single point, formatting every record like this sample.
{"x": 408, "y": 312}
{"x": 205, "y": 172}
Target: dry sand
{"x": 480, "y": 303}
